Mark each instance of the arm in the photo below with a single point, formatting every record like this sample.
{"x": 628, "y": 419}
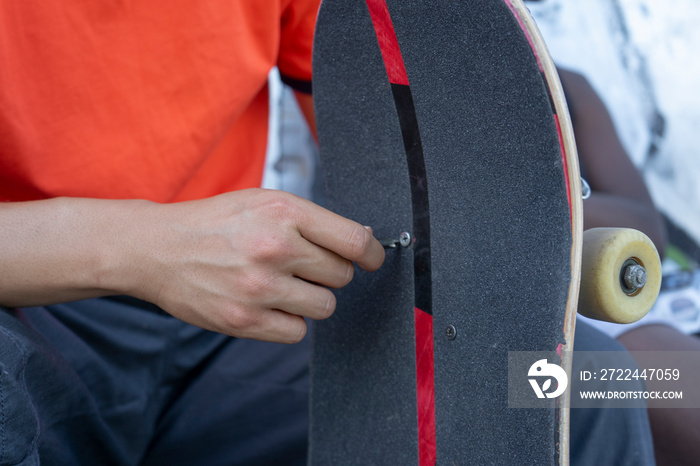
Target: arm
{"x": 619, "y": 195}
{"x": 249, "y": 263}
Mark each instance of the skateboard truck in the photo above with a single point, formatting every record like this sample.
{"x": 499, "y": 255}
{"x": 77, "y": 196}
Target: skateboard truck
{"x": 404, "y": 241}
{"x": 585, "y": 189}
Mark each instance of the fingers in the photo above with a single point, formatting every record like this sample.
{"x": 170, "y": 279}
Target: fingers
{"x": 321, "y": 266}
{"x": 299, "y": 286}
{"x": 279, "y": 317}
{"x": 285, "y": 328}
{"x": 346, "y": 238}
{"x": 271, "y": 325}
{"x": 298, "y": 297}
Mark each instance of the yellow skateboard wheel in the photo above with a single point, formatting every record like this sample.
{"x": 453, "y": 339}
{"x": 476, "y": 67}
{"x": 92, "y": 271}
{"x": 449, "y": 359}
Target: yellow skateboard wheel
{"x": 620, "y": 275}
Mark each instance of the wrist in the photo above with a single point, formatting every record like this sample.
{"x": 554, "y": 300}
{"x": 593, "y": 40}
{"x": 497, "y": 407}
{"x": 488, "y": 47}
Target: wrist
{"x": 125, "y": 253}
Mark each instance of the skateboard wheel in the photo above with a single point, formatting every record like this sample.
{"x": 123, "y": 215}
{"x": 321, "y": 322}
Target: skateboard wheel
{"x": 620, "y": 275}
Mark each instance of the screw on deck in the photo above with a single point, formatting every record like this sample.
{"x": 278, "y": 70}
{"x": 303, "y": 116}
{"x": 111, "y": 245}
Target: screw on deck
{"x": 403, "y": 241}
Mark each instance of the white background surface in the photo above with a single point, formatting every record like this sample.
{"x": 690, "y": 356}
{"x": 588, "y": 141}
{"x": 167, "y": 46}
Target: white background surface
{"x": 643, "y": 57}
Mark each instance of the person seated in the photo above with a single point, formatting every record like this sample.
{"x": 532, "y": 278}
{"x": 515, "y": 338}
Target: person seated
{"x": 619, "y": 198}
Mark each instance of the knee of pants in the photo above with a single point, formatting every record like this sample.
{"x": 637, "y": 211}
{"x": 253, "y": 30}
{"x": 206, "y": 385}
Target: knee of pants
{"x": 19, "y": 424}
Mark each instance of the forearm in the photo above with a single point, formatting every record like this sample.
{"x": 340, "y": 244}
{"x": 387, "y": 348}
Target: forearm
{"x": 65, "y": 249}
{"x": 251, "y": 263}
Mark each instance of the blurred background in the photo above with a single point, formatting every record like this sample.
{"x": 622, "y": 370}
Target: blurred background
{"x": 643, "y": 58}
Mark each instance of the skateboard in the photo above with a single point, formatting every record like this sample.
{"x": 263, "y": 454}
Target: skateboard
{"x": 443, "y": 126}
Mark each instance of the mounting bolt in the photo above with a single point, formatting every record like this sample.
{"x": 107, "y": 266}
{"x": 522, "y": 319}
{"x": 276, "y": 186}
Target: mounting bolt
{"x": 635, "y": 276}
{"x": 405, "y": 239}
{"x": 451, "y": 332}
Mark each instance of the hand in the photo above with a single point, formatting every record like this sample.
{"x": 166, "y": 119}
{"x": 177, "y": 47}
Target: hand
{"x": 251, "y": 263}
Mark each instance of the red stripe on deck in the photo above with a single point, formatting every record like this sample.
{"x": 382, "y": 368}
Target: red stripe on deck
{"x": 425, "y": 374}
{"x": 388, "y": 44}
{"x": 566, "y": 165}
{"x": 425, "y": 361}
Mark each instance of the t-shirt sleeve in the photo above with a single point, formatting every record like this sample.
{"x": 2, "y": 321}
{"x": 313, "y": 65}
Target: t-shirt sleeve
{"x": 296, "y": 43}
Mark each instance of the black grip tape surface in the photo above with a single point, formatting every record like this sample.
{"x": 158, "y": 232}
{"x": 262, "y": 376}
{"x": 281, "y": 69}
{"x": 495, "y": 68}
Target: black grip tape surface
{"x": 500, "y": 234}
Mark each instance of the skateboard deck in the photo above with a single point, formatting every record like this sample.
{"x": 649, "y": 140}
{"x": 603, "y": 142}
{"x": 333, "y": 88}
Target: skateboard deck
{"x": 444, "y": 121}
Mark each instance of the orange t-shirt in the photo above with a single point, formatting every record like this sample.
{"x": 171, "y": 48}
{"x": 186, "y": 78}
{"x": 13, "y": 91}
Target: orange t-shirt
{"x": 166, "y": 101}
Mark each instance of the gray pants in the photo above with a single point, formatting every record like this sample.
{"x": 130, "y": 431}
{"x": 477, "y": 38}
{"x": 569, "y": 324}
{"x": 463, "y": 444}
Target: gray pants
{"x": 611, "y": 436}
{"x": 119, "y": 382}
